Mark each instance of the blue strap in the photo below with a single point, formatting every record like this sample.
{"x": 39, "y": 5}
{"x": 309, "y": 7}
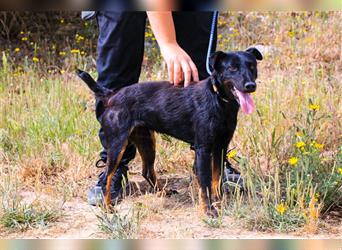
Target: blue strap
{"x": 211, "y": 38}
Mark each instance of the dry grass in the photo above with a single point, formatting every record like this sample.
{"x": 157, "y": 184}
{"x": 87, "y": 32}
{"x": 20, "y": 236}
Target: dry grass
{"x": 48, "y": 131}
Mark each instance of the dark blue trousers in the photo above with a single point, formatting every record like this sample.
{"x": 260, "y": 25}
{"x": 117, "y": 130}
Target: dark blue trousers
{"x": 121, "y": 48}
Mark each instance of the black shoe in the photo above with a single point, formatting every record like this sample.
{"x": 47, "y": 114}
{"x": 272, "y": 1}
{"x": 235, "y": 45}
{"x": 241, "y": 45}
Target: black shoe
{"x": 119, "y": 183}
{"x": 231, "y": 178}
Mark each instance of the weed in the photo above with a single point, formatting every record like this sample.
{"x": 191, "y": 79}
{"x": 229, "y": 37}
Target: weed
{"x": 213, "y": 222}
{"x": 118, "y": 226}
{"x": 294, "y": 195}
{"x": 26, "y": 216}
{"x": 16, "y": 214}
{"x": 289, "y": 152}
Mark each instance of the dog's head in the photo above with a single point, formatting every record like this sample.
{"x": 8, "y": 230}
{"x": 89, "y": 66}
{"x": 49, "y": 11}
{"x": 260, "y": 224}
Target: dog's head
{"x": 236, "y": 72}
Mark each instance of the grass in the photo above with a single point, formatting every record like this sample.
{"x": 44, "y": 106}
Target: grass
{"x": 294, "y": 195}
{"x": 17, "y": 214}
{"x": 48, "y": 131}
{"x": 118, "y": 225}
{"x": 27, "y": 216}
{"x": 213, "y": 222}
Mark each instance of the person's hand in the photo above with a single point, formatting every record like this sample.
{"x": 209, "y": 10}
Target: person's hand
{"x": 179, "y": 64}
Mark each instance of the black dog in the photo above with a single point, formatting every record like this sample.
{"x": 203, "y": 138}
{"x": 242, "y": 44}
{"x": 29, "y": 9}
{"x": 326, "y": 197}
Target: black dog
{"x": 203, "y": 114}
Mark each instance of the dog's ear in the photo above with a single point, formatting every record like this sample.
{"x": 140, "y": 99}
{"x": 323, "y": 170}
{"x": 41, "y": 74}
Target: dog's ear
{"x": 255, "y": 53}
{"x": 214, "y": 58}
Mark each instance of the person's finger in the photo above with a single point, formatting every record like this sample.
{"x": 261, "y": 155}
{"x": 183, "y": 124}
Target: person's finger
{"x": 194, "y": 71}
{"x": 187, "y": 73}
{"x": 170, "y": 71}
{"x": 177, "y": 73}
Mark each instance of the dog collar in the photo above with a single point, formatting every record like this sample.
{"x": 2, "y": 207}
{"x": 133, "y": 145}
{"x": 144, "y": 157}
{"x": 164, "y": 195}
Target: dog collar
{"x": 216, "y": 90}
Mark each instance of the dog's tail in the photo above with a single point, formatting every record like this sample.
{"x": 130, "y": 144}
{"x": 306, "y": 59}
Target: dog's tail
{"x": 100, "y": 92}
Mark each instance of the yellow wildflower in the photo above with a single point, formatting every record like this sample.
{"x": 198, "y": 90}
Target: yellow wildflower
{"x": 62, "y": 21}
{"x": 21, "y": 32}
{"x": 24, "y": 38}
{"x": 317, "y": 195}
{"x": 299, "y": 134}
{"x": 75, "y": 51}
{"x": 339, "y": 170}
{"x": 35, "y": 59}
{"x": 231, "y": 154}
{"x": 148, "y": 34}
{"x": 62, "y": 53}
{"x": 314, "y": 107}
{"x": 79, "y": 38}
{"x": 17, "y": 49}
{"x": 291, "y": 34}
{"x": 62, "y": 71}
{"x": 309, "y": 39}
{"x": 300, "y": 144}
{"x": 293, "y": 161}
{"x": 235, "y": 33}
{"x": 280, "y": 208}
{"x": 317, "y": 145}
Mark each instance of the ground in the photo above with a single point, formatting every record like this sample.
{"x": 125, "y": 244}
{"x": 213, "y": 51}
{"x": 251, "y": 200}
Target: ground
{"x": 284, "y": 150}
{"x": 166, "y": 217}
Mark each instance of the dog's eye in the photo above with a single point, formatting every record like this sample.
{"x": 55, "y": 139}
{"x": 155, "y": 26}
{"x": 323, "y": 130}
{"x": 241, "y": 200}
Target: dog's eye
{"x": 232, "y": 68}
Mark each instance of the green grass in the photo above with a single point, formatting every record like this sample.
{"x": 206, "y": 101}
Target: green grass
{"x": 213, "y": 222}
{"x": 48, "y": 130}
{"x": 45, "y": 112}
{"x": 124, "y": 225}
{"x": 17, "y": 214}
{"x": 27, "y": 216}
{"x": 298, "y": 187}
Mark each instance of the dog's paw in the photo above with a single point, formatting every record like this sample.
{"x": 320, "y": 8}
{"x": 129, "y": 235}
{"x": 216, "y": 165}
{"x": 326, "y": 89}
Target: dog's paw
{"x": 212, "y": 212}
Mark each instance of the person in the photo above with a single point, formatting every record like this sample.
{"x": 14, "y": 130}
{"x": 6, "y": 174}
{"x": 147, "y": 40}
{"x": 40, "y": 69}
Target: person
{"x": 183, "y": 38}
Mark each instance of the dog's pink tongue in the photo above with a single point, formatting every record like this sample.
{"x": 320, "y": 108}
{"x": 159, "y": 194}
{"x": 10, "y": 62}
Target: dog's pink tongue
{"x": 246, "y": 102}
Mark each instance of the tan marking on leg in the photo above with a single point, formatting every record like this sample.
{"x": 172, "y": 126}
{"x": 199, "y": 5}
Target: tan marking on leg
{"x": 215, "y": 183}
{"x": 108, "y": 199}
{"x": 216, "y": 176}
{"x": 205, "y": 207}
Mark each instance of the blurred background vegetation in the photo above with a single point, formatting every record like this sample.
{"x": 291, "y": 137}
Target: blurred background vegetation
{"x": 51, "y": 37}
{"x": 289, "y": 151}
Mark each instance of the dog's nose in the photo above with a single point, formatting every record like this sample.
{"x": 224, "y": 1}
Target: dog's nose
{"x": 250, "y": 86}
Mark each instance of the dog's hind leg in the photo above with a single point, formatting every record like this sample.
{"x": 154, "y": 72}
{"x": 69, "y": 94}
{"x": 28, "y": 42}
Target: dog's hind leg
{"x": 145, "y": 141}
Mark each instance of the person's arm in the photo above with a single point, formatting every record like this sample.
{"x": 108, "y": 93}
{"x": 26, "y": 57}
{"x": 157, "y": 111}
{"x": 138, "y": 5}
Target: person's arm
{"x": 179, "y": 64}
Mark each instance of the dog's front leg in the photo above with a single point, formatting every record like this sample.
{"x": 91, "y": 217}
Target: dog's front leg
{"x": 203, "y": 173}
